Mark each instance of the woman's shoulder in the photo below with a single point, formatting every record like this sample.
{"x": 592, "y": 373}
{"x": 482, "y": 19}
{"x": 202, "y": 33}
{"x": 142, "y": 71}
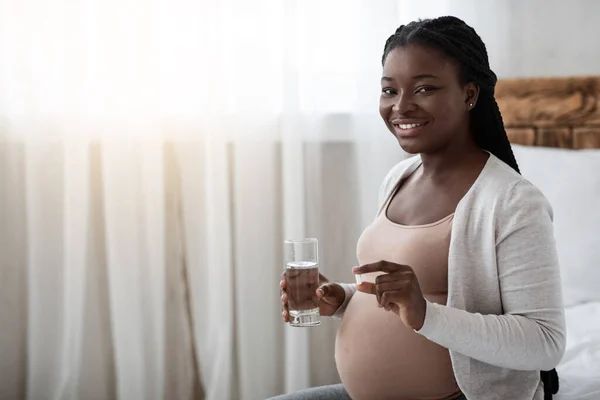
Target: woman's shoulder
{"x": 512, "y": 189}
{"x": 394, "y": 174}
{"x": 501, "y": 173}
{"x": 400, "y": 168}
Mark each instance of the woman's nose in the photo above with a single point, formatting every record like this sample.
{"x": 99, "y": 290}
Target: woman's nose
{"x": 404, "y": 103}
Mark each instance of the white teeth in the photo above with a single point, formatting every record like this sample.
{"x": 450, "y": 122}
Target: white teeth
{"x": 408, "y": 126}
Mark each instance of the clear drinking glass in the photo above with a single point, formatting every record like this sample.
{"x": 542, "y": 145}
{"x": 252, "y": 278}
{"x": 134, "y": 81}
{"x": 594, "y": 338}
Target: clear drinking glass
{"x": 302, "y": 276}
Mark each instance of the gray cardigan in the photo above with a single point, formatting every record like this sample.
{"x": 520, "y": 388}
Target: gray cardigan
{"x": 504, "y": 319}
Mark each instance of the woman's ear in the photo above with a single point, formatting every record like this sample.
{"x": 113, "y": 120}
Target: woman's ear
{"x": 471, "y": 95}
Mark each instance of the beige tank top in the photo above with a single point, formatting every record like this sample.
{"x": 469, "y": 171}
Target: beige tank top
{"x": 377, "y": 356}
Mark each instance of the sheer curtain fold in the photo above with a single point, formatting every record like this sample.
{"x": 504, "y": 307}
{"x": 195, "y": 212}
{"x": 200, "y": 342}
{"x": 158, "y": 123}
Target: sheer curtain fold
{"x": 153, "y": 156}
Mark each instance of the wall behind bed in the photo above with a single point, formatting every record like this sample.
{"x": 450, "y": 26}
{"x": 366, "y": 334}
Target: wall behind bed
{"x": 530, "y": 38}
{"x": 548, "y": 38}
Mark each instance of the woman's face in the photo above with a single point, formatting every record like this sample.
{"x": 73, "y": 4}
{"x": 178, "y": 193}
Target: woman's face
{"x": 422, "y": 101}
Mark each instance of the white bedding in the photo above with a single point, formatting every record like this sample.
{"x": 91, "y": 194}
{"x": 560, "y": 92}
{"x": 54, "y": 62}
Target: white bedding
{"x": 579, "y": 371}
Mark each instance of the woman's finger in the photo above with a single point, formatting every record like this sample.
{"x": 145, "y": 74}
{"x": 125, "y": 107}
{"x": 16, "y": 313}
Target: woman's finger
{"x": 394, "y": 276}
{"x": 323, "y": 290}
{"x": 283, "y": 281}
{"x": 331, "y": 290}
{"x": 282, "y": 289}
{"x": 393, "y": 296}
{"x": 366, "y": 287}
{"x": 379, "y": 266}
{"x": 284, "y": 303}
{"x": 393, "y": 307}
{"x": 285, "y": 312}
{"x": 380, "y": 288}
{"x": 282, "y": 284}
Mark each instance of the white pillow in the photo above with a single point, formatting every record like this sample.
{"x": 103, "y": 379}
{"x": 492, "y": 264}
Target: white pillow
{"x": 570, "y": 180}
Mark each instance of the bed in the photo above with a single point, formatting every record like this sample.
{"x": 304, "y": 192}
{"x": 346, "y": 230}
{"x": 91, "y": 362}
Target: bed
{"x": 554, "y": 126}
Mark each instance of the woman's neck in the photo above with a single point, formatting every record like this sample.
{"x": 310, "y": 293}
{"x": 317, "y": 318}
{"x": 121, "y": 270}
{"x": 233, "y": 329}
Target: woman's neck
{"x": 452, "y": 159}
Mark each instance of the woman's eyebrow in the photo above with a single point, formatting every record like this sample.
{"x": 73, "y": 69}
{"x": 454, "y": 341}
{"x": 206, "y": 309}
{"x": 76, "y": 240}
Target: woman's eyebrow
{"x": 416, "y": 77}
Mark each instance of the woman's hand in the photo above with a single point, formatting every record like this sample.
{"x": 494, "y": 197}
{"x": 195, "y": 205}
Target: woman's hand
{"x": 398, "y": 290}
{"x": 331, "y": 295}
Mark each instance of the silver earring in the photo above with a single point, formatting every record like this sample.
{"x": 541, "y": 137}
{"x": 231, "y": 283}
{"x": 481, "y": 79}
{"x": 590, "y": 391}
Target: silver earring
{"x": 471, "y": 105}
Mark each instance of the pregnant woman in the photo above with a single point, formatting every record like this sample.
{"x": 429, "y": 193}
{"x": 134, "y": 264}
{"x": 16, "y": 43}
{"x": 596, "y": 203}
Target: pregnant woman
{"x": 460, "y": 294}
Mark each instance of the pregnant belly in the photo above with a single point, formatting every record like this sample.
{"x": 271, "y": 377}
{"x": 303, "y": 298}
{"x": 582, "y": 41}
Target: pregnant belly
{"x": 379, "y": 358}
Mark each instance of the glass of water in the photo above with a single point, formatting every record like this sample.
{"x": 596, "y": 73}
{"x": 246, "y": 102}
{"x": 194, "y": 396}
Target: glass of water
{"x": 302, "y": 276}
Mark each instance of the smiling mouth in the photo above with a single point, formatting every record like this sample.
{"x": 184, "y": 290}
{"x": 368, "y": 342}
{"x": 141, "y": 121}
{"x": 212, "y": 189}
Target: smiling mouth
{"x": 405, "y": 127}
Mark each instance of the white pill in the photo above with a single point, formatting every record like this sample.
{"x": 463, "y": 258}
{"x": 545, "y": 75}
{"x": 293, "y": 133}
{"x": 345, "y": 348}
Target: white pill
{"x": 358, "y": 278}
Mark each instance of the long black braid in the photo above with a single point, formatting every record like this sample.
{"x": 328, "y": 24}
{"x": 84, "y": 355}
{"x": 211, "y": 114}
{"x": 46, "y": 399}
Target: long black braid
{"x": 461, "y": 43}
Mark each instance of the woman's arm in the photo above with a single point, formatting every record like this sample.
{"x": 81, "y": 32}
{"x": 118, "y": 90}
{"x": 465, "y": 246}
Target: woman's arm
{"x": 531, "y": 333}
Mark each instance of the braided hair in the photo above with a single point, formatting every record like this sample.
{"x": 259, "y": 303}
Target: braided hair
{"x": 457, "y": 40}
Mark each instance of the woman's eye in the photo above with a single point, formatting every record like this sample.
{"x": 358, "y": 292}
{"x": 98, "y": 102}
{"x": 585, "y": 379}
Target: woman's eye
{"x": 425, "y": 89}
{"x": 388, "y": 91}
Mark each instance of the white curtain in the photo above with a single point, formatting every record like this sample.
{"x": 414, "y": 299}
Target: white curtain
{"x": 153, "y": 156}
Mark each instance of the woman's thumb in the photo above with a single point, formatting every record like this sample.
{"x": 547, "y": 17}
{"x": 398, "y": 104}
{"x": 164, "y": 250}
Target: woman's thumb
{"x": 324, "y": 290}
{"x": 329, "y": 290}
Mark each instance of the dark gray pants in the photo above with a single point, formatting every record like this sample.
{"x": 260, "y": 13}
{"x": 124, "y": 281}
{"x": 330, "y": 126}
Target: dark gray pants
{"x": 331, "y": 392}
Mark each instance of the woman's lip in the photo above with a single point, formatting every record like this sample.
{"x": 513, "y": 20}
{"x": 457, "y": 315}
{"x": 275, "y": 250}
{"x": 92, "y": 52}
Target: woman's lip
{"x": 406, "y": 121}
{"x": 409, "y": 132}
